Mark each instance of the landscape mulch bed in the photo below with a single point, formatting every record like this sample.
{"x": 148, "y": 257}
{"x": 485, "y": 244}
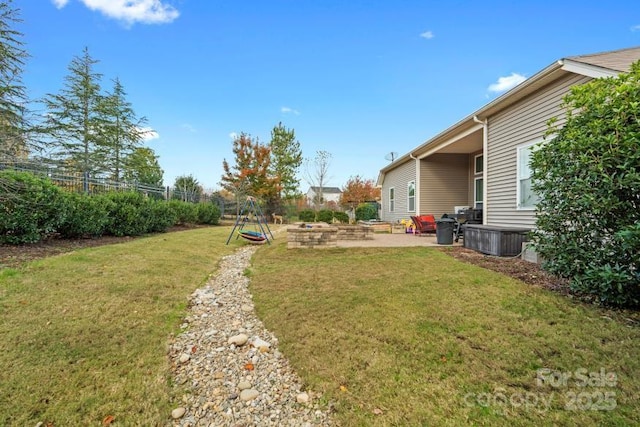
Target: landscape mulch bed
{"x": 15, "y": 255}
{"x": 528, "y": 272}
{"x": 533, "y": 274}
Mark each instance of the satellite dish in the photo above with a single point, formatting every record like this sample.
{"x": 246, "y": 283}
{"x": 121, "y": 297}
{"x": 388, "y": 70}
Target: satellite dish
{"x": 391, "y": 156}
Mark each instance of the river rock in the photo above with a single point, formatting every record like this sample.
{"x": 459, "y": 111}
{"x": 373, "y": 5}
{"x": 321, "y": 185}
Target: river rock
{"x": 238, "y": 340}
{"x": 249, "y": 394}
{"x": 178, "y": 413}
{"x": 231, "y": 380}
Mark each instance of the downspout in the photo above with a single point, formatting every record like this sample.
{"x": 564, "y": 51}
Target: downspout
{"x": 485, "y": 144}
{"x": 417, "y": 195}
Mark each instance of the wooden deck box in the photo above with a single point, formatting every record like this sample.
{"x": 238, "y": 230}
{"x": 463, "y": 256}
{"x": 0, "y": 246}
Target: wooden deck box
{"x": 495, "y": 240}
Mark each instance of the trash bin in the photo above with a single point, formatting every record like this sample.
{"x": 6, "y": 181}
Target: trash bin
{"x": 444, "y": 231}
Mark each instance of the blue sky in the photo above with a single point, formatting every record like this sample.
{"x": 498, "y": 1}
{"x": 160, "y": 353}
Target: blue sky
{"x": 359, "y": 79}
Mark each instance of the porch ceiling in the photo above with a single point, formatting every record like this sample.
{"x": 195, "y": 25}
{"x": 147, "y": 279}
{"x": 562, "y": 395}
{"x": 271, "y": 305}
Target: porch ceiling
{"x": 469, "y": 144}
{"x": 464, "y": 142}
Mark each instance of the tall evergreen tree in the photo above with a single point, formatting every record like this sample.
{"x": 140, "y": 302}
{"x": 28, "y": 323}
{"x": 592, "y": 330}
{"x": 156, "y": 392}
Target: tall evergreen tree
{"x": 74, "y": 120}
{"x": 13, "y": 97}
{"x": 286, "y": 159}
{"x": 122, "y": 131}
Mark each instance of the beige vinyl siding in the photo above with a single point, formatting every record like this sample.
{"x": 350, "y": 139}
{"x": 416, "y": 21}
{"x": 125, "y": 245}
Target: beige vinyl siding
{"x": 522, "y": 123}
{"x": 397, "y": 178}
{"x": 444, "y": 183}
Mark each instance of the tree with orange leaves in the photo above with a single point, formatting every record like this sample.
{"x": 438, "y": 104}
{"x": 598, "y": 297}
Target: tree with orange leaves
{"x": 250, "y": 174}
{"x": 358, "y": 190}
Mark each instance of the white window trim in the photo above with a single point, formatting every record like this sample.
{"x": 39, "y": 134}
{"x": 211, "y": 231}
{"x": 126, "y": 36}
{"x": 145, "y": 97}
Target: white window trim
{"x": 392, "y": 201}
{"x": 519, "y": 148}
{"x": 475, "y": 191}
{"x": 409, "y": 197}
{"x": 475, "y": 163}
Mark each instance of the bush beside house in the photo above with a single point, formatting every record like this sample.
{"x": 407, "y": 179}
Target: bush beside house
{"x": 588, "y": 181}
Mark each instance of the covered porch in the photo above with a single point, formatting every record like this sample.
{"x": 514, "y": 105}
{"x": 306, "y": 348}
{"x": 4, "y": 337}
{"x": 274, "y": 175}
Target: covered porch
{"x": 450, "y": 172}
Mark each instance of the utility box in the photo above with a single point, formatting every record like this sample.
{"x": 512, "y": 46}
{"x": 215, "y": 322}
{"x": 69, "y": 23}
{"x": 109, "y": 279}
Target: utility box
{"x": 495, "y": 240}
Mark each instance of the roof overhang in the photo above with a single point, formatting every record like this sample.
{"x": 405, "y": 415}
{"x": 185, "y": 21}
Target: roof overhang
{"x": 589, "y": 70}
{"x": 469, "y": 125}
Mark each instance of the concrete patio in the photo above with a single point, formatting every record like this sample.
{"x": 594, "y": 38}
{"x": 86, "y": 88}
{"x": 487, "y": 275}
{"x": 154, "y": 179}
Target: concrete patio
{"x": 391, "y": 240}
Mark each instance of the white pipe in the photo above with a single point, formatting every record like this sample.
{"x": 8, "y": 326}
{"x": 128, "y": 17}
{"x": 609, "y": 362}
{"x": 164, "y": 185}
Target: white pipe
{"x": 417, "y": 194}
{"x": 485, "y": 144}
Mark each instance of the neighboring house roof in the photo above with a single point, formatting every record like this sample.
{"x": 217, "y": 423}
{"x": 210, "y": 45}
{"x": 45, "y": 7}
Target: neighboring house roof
{"x": 594, "y": 65}
{"x": 326, "y": 190}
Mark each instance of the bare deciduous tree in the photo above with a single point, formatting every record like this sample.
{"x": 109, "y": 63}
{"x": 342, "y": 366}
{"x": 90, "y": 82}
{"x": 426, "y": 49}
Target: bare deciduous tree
{"x": 317, "y": 175}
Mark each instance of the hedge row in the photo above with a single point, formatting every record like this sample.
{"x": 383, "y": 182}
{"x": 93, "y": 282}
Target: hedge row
{"x": 33, "y": 208}
{"x": 323, "y": 215}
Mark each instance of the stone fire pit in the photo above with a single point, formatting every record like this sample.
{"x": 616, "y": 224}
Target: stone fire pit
{"x": 323, "y": 235}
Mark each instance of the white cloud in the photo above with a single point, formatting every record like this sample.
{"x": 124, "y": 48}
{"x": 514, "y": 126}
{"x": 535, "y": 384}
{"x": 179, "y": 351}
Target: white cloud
{"x": 131, "y": 11}
{"x": 635, "y": 28}
{"x": 287, "y": 110}
{"x": 233, "y": 135}
{"x": 505, "y": 83}
{"x": 427, "y": 35}
{"x": 60, "y": 3}
{"x": 148, "y": 134}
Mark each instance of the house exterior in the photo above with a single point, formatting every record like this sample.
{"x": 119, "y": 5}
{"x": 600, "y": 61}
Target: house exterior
{"x": 482, "y": 161}
{"x": 329, "y": 194}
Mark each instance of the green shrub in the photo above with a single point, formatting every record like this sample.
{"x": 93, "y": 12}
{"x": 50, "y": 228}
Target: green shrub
{"x": 307, "y": 215}
{"x": 208, "y": 213}
{"x": 325, "y": 215}
{"x": 88, "y": 216}
{"x": 366, "y": 211}
{"x": 587, "y": 178}
{"x": 186, "y": 213}
{"x": 341, "y": 216}
{"x": 32, "y": 207}
{"x": 129, "y": 214}
{"x": 161, "y": 216}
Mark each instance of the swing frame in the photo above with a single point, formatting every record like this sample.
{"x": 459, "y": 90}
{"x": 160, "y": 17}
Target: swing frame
{"x": 251, "y": 214}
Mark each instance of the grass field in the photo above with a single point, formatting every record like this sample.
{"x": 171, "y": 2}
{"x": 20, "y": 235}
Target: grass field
{"x": 84, "y": 335}
{"x": 412, "y": 337}
{"x": 404, "y": 336}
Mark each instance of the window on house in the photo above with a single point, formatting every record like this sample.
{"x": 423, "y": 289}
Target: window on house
{"x": 411, "y": 196}
{"x": 527, "y": 198}
{"x": 479, "y": 193}
{"x": 479, "y": 163}
{"x": 392, "y": 199}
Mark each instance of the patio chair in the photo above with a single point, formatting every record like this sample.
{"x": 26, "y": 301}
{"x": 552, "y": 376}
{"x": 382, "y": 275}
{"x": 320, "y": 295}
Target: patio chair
{"x": 424, "y": 224}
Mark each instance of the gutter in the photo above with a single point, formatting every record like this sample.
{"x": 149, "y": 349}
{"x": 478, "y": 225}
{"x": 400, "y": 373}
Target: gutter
{"x": 417, "y": 187}
{"x": 485, "y": 147}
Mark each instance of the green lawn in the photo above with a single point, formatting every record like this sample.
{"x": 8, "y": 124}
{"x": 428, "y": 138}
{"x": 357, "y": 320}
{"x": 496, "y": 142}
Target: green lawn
{"x": 389, "y": 336}
{"x": 410, "y": 336}
{"x": 84, "y": 335}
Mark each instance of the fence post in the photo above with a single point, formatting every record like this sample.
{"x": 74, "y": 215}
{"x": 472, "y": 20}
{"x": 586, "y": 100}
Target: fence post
{"x": 85, "y": 182}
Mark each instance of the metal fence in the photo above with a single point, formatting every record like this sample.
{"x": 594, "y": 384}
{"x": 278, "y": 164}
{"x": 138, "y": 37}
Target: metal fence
{"x": 79, "y": 182}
